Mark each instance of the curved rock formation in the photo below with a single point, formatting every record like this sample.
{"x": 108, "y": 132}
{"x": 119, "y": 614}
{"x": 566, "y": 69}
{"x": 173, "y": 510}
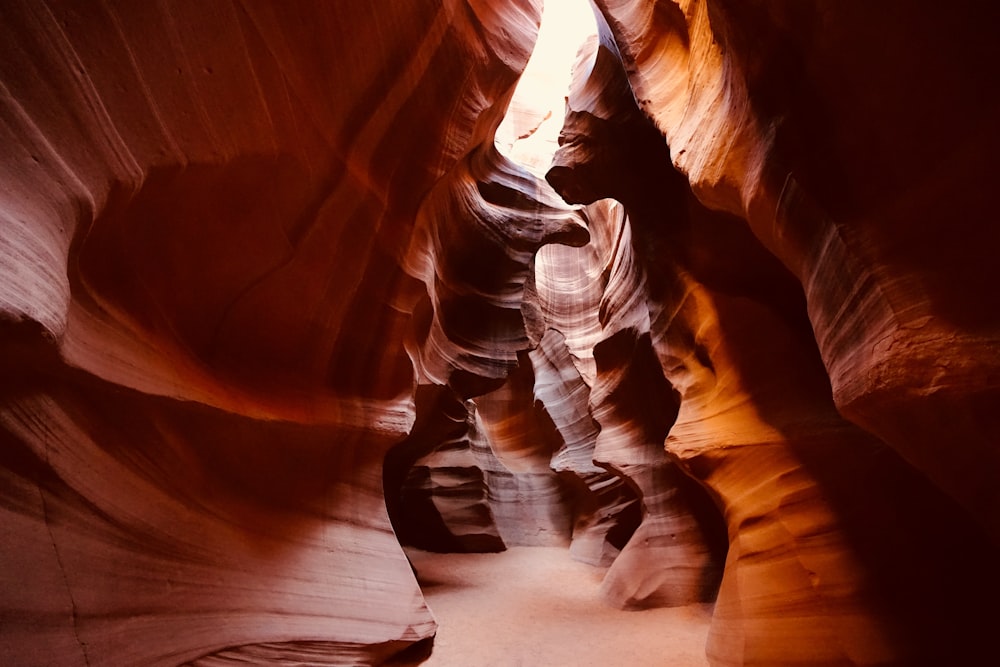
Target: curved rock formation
{"x": 477, "y": 233}
{"x": 823, "y": 125}
{"x": 531, "y": 502}
{"x": 757, "y": 424}
{"x": 435, "y": 489}
{"x": 265, "y": 282}
{"x": 205, "y": 219}
{"x": 671, "y": 559}
{"x": 607, "y": 509}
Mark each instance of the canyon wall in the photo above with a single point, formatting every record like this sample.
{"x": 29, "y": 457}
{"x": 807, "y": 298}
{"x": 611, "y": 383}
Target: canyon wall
{"x": 207, "y": 215}
{"x": 271, "y": 301}
{"x": 819, "y": 566}
{"x": 856, "y": 143}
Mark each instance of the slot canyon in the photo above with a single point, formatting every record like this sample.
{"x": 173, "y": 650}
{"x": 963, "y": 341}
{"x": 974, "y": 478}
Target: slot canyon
{"x": 296, "y": 314}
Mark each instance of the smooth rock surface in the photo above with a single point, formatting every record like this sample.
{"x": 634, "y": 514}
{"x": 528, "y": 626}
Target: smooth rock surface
{"x": 856, "y": 142}
{"x": 272, "y": 301}
{"x": 205, "y": 218}
{"x": 756, "y": 422}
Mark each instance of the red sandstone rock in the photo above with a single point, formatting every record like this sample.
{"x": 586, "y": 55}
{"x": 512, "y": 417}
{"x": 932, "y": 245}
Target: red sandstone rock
{"x": 532, "y": 505}
{"x": 242, "y": 246}
{"x": 857, "y": 143}
{"x": 477, "y": 233}
{"x": 607, "y": 510}
{"x": 206, "y": 213}
{"x": 669, "y": 559}
{"x": 435, "y": 489}
{"x": 756, "y": 424}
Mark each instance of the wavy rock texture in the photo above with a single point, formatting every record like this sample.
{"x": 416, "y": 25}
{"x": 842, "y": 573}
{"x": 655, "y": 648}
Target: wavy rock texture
{"x": 529, "y": 446}
{"x": 628, "y": 407}
{"x": 133, "y": 523}
{"x": 816, "y": 565}
{"x": 674, "y": 558}
{"x": 264, "y": 276}
{"x": 475, "y": 239}
{"x": 607, "y": 508}
{"x": 856, "y": 142}
{"x": 435, "y": 489}
{"x": 477, "y": 233}
{"x": 532, "y": 504}
{"x": 449, "y": 484}
{"x": 205, "y": 219}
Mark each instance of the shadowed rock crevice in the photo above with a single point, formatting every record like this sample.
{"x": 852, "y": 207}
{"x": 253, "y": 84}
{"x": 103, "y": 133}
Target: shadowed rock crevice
{"x": 272, "y": 302}
{"x": 435, "y": 490}
{"x": 757, "y": 425}
{"x": 786, "y": 116}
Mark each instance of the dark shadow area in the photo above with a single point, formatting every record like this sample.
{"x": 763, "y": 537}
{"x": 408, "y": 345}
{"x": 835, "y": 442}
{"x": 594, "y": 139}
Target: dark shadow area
{"x": 415, "y": 654}
{"x": 441, "y": 420}
{"x": 644, "y": 400}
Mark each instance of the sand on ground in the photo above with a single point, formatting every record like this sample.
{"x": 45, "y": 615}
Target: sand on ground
{"x": 536, "y": 607}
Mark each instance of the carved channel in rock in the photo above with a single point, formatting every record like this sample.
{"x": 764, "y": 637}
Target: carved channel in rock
{"x": 273, "y": 302}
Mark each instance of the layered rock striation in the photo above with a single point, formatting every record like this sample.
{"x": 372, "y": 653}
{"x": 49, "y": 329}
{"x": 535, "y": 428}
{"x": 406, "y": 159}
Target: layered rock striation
{"x": 206, "y": 218}
{"x": 272, "y": 301}
{"x": 855, "y": 142}
{"x": 673, "y": 557}
{"x": 814, "y": 574}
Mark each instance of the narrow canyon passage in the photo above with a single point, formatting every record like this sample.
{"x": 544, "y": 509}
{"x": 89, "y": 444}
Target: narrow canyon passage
{"x": 320, "y": 344}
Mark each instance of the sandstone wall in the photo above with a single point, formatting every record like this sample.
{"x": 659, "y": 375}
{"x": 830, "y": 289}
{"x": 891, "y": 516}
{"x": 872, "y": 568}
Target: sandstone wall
{"x": 206, "y": 212}
{"x": 271, "y": 300}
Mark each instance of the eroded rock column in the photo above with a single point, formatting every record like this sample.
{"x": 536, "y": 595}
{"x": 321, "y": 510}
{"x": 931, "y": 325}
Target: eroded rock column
{"x": 757, "y": 424}
{"x": 857, "y": 147}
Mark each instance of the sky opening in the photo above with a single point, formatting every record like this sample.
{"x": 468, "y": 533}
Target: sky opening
{"x": 529, "y": 131}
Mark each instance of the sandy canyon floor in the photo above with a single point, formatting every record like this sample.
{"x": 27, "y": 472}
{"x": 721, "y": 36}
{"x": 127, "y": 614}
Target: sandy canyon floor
{"x": 534, "y": 606}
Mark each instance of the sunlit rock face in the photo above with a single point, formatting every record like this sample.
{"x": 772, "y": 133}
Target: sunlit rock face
{"x": 207, "y": 300}
{"x": 607, "y": 510}
{"x": 817, "y": 563}
{"x": 856, "y": 141}
{"x": 272, "y": 301}
{"x": 607, "y": 363}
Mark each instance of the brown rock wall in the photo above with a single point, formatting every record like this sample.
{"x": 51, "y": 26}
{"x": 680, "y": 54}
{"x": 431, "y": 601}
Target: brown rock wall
{"x": 807, "y": 579}
{"x": 823, "y": 124}
{"x": 265, "y": 282}
{"x": 207, "y": 212}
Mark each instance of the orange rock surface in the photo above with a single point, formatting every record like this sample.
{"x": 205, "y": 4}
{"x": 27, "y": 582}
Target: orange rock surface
{"x": 272, "y": 302}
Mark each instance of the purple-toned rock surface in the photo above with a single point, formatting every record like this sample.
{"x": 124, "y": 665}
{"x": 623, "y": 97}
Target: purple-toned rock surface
{"x": 272, "y": 301}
